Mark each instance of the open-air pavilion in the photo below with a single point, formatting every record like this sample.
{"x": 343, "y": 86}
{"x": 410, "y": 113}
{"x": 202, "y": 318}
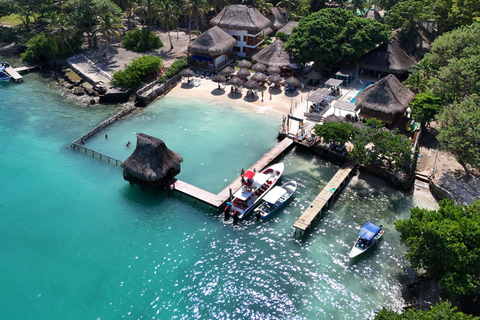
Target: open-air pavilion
{"x": 334, "y": 85}
{"x": 345, "y": 107}
{"x": 347, "y": 74}
{"x": 318, "y": 101}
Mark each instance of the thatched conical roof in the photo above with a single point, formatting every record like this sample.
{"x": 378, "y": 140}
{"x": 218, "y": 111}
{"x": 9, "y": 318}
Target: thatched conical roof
{"x": 372, "y": 14}
{"x": 240, "y": 17}
{"x": 212, "y": 42}
{"x": 288, "y": 28}
{"x": 151, "y": 160}
{"x": 273, "y": 55}
{"x": 390, "y": 57}
{"x": 277, "y": 18}
{"x": 388, "y": 96}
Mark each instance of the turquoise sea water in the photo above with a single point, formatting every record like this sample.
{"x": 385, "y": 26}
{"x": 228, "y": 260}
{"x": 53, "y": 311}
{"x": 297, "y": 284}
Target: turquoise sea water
{"x": 78, "y": 242}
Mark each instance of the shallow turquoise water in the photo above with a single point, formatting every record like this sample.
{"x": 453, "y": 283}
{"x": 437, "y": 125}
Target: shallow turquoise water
{"x": 78, "y": 242}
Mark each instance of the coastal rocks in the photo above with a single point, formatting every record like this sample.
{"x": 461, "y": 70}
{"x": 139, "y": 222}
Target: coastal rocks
{"x": 79, "y": 91}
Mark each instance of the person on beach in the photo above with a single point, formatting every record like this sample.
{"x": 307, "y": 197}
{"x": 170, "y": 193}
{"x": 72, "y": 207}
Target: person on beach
{"x": 262, "y": 96}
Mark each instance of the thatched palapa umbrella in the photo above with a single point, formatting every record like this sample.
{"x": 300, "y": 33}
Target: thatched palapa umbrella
{"x": 273, "y": 70}
{"x": 260, "y": 77}
{"x": 188, "y": 73}
{"x": 219, "y": 78}
{"x": 243, "y": 73}
{"x": 313, "y": 75}
{"x": 275, "y": 78}
{"x": 244, "y": 64}
{"x": 258, "y": 67}
{"x": 151, "y": 164}
{"x": 227, "y": 71}
{"x": 236, "y": 81}
{"x": 292, "y": 81}
{"x": 251, "y": 84}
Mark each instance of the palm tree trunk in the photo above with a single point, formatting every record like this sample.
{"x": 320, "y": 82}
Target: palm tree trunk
{"x": 190, "y": 29}
{"x": 170, "y": 37}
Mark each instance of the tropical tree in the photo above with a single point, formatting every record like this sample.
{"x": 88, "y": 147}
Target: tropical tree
{"x": 357, "y": 6}
{"x": 147, "y": 11}
{"x": 442, "y": 310}
{"x": 426, "y": 106}
{"x": 287, "y": 6}
{"x": 335, "y": 132}
{"x": 445, "y": 243}
{"x": 108, "y": 26}
{"x": 196, "y": 11}
{"x": 217, "y": 5}
{"x": 336, "y": 34}
{"x": 60, "y": 26}
{"x": 131, "y": 7}
{"x": 25, "y": 10}
{"x": 263, "y": 6}
{"x": 460, "y": 131}
{"x": 167, "y": 14}
{"x": 407, "y": 16}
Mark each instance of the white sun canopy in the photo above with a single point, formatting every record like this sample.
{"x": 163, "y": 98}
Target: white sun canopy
{"x": 274, "y": 194}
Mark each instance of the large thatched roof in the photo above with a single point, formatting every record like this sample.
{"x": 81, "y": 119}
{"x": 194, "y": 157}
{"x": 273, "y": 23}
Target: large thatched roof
{"x": 212, "y": 42}
{"x": 388, "y": 96}
{"x": 288, "y": 28}
{"x": 240, "y": 17}
{"x": 273, "y": 55}
{"x": 151, "y": 159}
{"x": 390, "y": 57}
{"x": 277, "y": 18}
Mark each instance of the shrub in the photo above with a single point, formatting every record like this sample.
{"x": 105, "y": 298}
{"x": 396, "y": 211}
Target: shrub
{"x": 141, "y": 40}
{"x": 281, "y": 36}
{"x": 135, "y": 72}
{"x": 176, "y": 67}
{"x": 41, "y": 47}
{"x": 8, "y": 34}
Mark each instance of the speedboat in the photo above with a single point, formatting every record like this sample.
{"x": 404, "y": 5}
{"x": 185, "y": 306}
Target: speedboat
{"x": 275, "y": 199}
{"x": 4, "y": 76}
{"x": 367, "y": 237}
{"x": 255, "y": 186}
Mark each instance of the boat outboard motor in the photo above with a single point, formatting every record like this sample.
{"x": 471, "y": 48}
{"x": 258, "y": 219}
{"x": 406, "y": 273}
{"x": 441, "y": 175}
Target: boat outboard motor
{"x": 235, "y": 216}
{"x": 227, "y": 209}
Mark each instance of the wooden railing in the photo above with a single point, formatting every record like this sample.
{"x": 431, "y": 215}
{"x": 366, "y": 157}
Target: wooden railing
{"x": 96, "y": 154}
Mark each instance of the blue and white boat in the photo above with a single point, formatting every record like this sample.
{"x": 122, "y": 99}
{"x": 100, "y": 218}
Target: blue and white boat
{"x": 275, "y": 199}
{"x": 367, "y": 237}
{"x": 4, "y": 76}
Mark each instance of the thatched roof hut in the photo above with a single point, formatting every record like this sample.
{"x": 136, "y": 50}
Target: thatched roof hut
{"x": 151, "y": 164}
{"x": 384, "y": 100}
{"x": 212, "y": 42}
{"x": 288, "y": 28}
{"x": 391, "y": 57}
{"x": 277, "y": 18}
{"x": 241, "y": 17}
{"x": 372, "y": 14}
{"x": 273, "y": 55}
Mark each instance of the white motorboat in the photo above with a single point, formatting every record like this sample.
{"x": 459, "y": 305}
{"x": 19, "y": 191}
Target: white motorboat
{"x": 275, "y": 199}
{"x": 254, "y": 187}
{"x": 367, "y": 237}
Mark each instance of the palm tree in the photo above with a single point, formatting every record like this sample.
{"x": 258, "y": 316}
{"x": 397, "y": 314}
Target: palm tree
{"x": 146, "y": 9}
{"x": 263, "y": 6}
{"x": 63, "y": 28}
{"x": 417, "y": 81}
{"x": 355, "y": 5}
{"x": 287, "y": 5}
{"x": 217, "y": 5}
{"x": 130, "y": 9}
{"x": 108, "y": 25}
{"x": 195, "y": 11}
{"x": 167, "y": 14}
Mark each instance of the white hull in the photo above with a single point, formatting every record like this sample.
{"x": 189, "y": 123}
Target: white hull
{"x": 358, "y": 249}
{"x": 279, "y": 196}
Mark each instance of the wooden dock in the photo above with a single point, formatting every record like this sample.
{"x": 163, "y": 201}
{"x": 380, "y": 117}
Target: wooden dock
{"x": 219, "y": 199}
{"x": 324, "y": 199}
{"x": 14, "y": 74}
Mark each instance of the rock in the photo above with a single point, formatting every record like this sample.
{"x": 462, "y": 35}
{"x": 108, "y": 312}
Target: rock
{"x": 79, "y": 91}
{"x": 92, "y": 102}
{"x": 101, "y": 89}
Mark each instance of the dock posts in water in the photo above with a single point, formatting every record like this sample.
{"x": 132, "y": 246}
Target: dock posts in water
{"x": 324, "y": 199}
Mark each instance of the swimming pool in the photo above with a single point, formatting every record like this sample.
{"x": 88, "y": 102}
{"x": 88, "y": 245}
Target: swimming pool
{"x": 369, "y": 83}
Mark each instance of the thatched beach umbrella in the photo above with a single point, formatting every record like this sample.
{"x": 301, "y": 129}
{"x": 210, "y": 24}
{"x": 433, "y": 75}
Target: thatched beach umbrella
{"x": 219, "y": 78}
{"x": 260, "y": 77}
{"x": 292, "y": 81}
{"x": 243, "y": 73}
{"x": 313, "y": 75}
{"x": 332, "y": 118}
{"x": 236, "y": 81}
{"x": 188, "y": 73}
{"x": 151, "y": 164}
{"x": 275, "y": 78}
{"x": 273, "y": 70}
{"x": 244, "y": 64}
{"x": 227, "y": 71}
{"x": 258, "y": 67}
{"x": 251, "y": 84}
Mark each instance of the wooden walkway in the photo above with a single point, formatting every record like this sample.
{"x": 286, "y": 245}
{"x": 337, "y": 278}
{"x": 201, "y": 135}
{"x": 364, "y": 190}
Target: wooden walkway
{"x": 325, "y": 198}
{"x": 219, "y": 199}
{"x": 14, "y": 74}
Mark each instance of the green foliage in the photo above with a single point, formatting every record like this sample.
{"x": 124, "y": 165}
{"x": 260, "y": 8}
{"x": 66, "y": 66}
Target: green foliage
{"x": 335, "y": 132}
{"x": 41, "y": 47}
{"x": 85, "y": 13}
{"x": 175, "y": 68}
{"x": 407, "y": 15}
{"x": 336, "y": 34}
{"x": 8, "y": 34}
{"x": 460, "y": 131}
{"x": 443, "y": 310}
{"x": 135, "y": 72}
{"x": 141, "y": 40}
{"x": 282, "y": 36}
{"x": 426, "y": 106}
{"x": 445, "y": 243}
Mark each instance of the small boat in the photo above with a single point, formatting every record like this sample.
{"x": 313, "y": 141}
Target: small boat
{"x": 275, "y": 199}
{"x": 4, "y": 76}
{"x": 367, "y": 237}
{"x": 254, "y": 187}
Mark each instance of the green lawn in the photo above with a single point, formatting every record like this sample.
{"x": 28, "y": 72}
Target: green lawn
{"x": 11, "y": 20}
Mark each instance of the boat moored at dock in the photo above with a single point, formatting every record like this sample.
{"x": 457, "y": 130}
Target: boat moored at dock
{"x": 4, "y": 76}
{"x": 275, "y": 199}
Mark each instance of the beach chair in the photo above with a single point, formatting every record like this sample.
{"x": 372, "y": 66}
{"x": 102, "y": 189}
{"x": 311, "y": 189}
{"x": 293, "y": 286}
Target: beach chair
{"x": 191, "y": 82}
{"x": 310, "y": 139}
{"x": 294, "y": 90}
{"x": 198, "y": 83}
{"x": 287, "y": 88}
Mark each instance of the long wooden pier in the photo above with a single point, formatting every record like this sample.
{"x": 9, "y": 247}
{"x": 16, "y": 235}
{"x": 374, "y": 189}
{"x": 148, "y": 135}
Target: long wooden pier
{"x": 325, "y": 198}
{"x": 217, "y": 200}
